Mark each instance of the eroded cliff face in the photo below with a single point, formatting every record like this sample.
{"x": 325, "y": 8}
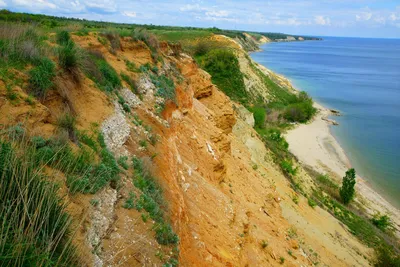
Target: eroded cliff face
{"x": 227, "y": 201}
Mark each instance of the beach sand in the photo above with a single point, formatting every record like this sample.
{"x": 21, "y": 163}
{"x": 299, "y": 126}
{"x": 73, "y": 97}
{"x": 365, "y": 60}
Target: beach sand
{"x": 315, "y": 146}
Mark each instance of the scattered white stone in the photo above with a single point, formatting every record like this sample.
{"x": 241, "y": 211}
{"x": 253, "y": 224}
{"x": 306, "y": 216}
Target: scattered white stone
{"x": 131, "y": 99}
{"x": 116, "y": 130}
{"x": 211, "y": 151}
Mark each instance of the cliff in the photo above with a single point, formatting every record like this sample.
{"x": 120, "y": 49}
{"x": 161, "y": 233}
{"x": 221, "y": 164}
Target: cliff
{"x": 223, "y": 195}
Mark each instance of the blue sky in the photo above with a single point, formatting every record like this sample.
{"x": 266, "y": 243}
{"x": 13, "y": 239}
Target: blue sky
{"x": 361, "y": 18}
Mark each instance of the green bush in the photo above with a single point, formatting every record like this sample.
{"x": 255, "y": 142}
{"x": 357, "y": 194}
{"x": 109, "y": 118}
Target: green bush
{"x": 347, "y": 190}
{"x": 41, "y": 77}
{"x": 301, "y": 110}
{"x": 225, "y": 73}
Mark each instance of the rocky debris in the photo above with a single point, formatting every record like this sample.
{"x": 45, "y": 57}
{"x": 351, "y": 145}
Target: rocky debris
{"x": 146, "y": 86}
{"x": 116, "y": 131}
{"x": 335, "y": 112}
{"x": 102, "y": 217}
{"x": 131, "y": 99}
{"x": 330, "y": 121}
{"x": 245, "y": 115}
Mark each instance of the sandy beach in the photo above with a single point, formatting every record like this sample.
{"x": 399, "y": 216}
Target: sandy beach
{"x": 315, "y": 146}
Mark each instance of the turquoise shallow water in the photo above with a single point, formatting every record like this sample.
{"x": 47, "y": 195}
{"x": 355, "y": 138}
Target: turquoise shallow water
{"x": 361, "y": 78}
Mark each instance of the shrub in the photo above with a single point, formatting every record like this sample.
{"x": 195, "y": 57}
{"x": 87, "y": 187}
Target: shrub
{"x": 287, "y": 168}
{"x": 311, "y": 203}
{"x": 259, "y": 117}
{"x": 165, "y": 235}
{"x": 347, "y": 190}
{"x": 383, "y": 222}
{"x": 301, "y": 110}
{"x": 41, "y": 76}
{"x": 68, "y": 56}
{"x": 63, "y": 37}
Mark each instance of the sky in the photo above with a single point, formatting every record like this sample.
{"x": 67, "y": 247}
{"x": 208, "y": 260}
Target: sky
{"x": 351, "y": 18}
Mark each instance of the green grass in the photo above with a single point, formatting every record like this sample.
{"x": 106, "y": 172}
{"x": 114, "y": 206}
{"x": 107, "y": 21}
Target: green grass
{"x": 63, "y": 37}
{"x": 34, "y": 227}
{"x": 182, "y": 35}
{"x": 153, "y": 202}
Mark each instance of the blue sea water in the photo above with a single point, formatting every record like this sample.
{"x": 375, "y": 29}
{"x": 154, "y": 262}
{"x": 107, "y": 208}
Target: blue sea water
{"x": 361, "y": 78}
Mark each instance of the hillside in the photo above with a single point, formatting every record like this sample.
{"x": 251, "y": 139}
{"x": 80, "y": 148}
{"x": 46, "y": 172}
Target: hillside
{"x": 124, "y": 147}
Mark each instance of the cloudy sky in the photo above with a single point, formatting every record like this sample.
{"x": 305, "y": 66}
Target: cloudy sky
{"x": 361, "y": 18}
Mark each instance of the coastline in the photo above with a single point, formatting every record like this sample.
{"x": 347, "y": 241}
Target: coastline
{"x": 315, "y": 146}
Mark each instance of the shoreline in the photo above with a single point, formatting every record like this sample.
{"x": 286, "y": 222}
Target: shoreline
{"x": 315, "y": 146}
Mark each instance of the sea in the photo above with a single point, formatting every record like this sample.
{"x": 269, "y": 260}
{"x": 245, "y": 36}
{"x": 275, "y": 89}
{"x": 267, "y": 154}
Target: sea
{"x": 360, "y": 77}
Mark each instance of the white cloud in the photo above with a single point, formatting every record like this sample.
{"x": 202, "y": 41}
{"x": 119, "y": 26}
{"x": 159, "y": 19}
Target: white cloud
{"x": 365, "y": 15}
{"x": 189, "y": 7}
{"x": 221, "y": 13}
{"x": 129, "y": 14}
{"x": 35, "y": 3}
{"x": 2, "y": 3}
{"x": 101, "y": 6}
{"x": 394, "y": 17}
{"x": 321, "y": 20}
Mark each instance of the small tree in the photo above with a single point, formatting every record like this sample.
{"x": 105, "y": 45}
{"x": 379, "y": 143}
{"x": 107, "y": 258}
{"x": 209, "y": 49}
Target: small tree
{"x": 347, "y": 190}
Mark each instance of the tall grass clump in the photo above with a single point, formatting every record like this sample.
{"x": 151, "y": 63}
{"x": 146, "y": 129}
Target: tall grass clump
{"x": 68, "y": 56}
{"x": 67, "y": 122}
{"x": 63, "y": 37}
{"x": 114, "y": 39}
{"x": 41, "y": 76}
{"x": 34, "y": 227}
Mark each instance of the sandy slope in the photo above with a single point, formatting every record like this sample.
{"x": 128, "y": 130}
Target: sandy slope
{"x": 315, "y": 146}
